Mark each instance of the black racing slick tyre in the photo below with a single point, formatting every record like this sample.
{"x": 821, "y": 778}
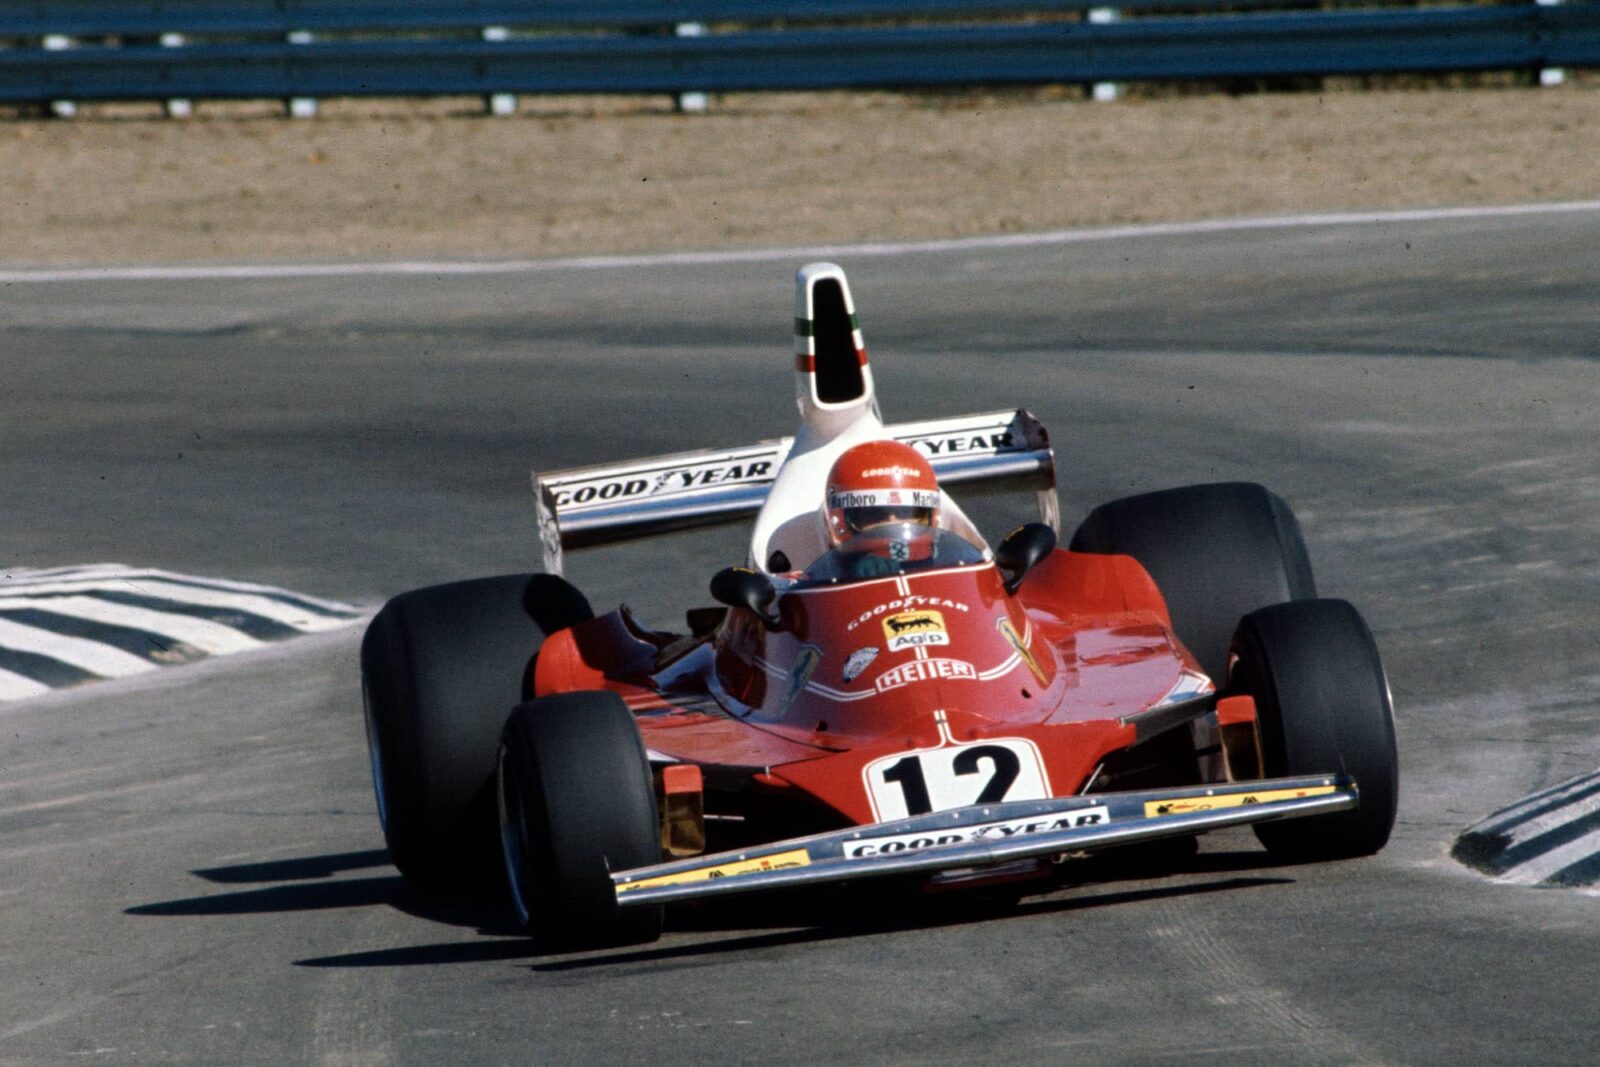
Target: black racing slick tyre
{"x": 441, "y": 667}
{"x": 1322, "y": 705}
{"x": 576, "y": 803}
{"x": 1215, "y": 551}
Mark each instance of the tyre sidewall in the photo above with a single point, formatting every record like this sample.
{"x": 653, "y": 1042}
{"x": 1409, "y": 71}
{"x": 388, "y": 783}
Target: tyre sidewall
{"x": 1215, "y": 551}
{"x": 577, "y": 800}
{"x": 1323, "y": 706}
{"x": 441, "y": 668}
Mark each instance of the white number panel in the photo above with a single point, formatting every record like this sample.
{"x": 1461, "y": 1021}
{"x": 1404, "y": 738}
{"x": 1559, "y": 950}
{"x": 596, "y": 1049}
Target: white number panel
{"x": 955, "y": 776}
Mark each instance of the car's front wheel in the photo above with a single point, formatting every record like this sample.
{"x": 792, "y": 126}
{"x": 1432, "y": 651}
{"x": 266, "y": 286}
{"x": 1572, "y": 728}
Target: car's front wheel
{"x": 576, "y": 803}
{"x": 1322, "y": 705}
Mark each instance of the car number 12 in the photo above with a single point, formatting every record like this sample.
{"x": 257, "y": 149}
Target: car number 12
{"x": 937, "y": 779}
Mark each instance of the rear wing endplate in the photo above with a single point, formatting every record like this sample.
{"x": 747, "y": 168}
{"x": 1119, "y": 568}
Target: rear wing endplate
{"x": 606, "y": 504}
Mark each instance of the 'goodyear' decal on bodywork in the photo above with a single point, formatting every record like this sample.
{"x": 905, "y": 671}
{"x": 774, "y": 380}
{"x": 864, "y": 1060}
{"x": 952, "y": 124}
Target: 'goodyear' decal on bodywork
{"x": 1230, "y": 800}
{"x": 776, "y": 862}
{"x": 1099, "y": 815}
{"x": 907, "y": 603}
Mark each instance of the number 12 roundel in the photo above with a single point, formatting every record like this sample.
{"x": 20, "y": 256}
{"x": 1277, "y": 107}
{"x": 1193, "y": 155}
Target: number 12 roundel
{"x": 955, "y": 776}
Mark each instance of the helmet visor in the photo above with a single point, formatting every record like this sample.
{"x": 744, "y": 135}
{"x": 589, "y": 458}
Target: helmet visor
{"x": 866, "y": 518}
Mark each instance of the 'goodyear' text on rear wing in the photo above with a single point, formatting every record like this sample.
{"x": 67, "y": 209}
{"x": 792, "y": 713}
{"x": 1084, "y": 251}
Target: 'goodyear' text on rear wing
{"x": 605, "y": 504}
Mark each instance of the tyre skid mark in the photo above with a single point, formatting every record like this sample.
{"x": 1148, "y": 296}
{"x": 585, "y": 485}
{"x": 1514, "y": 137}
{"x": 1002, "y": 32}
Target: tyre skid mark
{"x": 1248, "y": 997}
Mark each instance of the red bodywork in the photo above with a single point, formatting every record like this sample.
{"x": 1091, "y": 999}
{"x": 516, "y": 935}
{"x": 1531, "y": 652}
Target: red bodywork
{"x": 971, "y": 695}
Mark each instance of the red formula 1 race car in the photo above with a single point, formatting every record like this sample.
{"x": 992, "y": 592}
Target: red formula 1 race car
{"x": 879, "y": 695}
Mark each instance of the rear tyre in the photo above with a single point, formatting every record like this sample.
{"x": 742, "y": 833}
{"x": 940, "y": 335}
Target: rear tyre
{"x": 440, "y": 667}
{"x": 1323, "y": 705}
{"x": 576, "y": 803}
{"x": 1215, "y": 552}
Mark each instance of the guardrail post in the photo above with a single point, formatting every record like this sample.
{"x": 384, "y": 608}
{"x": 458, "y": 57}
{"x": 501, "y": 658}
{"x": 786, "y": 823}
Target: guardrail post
{"x": 1549, "y": 76}
{"x": 302, "y": 107}
{"x": 1104, "y": 91}
{"x": 499, "y": 103}
{"x": 691, "y": 101}
{"x": 60, "y": 42}
{"x": 177, "y": 107}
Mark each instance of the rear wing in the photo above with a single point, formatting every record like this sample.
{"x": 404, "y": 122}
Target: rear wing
{"x": 606, "y": 504}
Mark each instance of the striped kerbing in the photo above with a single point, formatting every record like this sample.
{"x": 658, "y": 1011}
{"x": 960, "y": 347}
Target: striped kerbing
{"x": 1551, "y": 838}
{"x": 67, "y": 625}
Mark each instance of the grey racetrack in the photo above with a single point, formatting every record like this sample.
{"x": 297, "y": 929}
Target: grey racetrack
{"x": 190, "y": 865}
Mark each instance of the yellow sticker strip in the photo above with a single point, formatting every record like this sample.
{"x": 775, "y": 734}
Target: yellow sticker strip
{"x": 1230, "y": 800}
{"x": 776, "y": 862}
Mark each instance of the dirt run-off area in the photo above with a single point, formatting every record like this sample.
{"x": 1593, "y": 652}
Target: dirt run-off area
{"x": 394, "y": 179}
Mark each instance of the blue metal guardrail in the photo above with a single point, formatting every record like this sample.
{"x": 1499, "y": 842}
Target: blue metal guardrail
{"x": 237, "y": 48}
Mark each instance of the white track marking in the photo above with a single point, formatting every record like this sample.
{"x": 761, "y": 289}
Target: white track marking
{"x": 210, "y": 637}
{"x": 1540, "y": 867}
{"x": 22, "y": 581}
{"x": 262, "y": 605}
{"x": 1503, "y": 820}
{"x": 434, "y": 268}
{"x": 15, "y": 686}
{"x": 86, "y": 655}
{"x": 1552, "y": 820}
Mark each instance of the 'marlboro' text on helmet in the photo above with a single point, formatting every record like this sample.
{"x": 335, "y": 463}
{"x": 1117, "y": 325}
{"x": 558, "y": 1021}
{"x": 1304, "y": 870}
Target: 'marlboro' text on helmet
{"x": 880, "y": 482}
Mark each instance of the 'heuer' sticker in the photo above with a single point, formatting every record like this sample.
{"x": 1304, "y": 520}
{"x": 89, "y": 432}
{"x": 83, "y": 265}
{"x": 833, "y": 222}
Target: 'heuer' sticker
{"x": 1230, "y": 800}
{"x": 924, "y": 670}
{"x": 869, "y": 847}
{"x": 859, "y": 661}
{"x": 776, "y": 862}
{"x": 915, "y": 629}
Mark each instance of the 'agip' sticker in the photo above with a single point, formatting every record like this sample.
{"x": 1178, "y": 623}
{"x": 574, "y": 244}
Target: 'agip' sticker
{"x": 915, "y": 629}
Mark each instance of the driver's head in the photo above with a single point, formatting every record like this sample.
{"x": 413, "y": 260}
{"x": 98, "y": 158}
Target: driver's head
{"x": 880, "y": 482}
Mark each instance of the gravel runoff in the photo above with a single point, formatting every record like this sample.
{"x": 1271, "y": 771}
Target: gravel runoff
{"x": 395, "y": 179}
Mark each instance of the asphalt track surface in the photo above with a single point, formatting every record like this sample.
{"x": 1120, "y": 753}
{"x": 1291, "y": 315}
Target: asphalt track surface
{"x": 190, "y": 866}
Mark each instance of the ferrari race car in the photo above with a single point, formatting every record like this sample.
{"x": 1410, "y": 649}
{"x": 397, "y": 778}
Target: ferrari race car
{"x": 876, "y": 695}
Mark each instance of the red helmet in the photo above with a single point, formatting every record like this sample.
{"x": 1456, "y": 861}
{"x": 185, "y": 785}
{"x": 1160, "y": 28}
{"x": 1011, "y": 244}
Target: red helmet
{"x": 880, "y": 482}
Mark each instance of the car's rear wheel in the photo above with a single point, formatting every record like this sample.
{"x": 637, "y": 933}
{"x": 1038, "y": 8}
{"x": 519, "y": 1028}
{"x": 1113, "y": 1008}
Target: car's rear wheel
{"x": 440, "y": 669}
{"x": 1322, "y": 705}
{"x": 576, "y": 803}
{"x": 1215, "y": 552}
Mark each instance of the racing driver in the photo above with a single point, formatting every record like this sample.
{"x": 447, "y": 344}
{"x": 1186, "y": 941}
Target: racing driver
{"x": 882, "y": 515}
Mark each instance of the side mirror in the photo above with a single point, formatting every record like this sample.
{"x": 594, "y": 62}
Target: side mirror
{"x": 741, "y": 587}
{"x": 1021, "y": 550}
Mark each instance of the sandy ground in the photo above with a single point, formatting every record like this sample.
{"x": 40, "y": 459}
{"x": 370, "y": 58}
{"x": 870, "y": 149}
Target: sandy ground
{"x": 392, "y": 179}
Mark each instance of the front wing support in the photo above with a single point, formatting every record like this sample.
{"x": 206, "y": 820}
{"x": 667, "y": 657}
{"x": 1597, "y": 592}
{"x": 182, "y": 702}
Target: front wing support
{"x": 985, "y": 835}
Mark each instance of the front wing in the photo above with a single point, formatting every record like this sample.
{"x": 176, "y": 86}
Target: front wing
{"x": 985, "y": 835}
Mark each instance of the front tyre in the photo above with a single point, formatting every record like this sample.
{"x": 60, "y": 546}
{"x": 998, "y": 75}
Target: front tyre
{"x": 576, "y": 803}
{"x": 1323, "y": 706}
